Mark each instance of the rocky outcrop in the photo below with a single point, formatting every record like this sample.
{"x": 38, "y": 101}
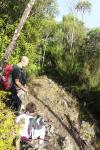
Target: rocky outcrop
{"x": 63, "y": 111}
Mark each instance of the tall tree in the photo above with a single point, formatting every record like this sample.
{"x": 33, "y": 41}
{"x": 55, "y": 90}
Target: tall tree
{"x": 23, "y": 19}
{"x": 73, "y": 29}
{"x": 83, "y": 6}
{"x": 91, "y": 55}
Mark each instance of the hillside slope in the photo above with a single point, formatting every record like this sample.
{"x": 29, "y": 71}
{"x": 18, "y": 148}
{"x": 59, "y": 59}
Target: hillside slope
{"x": 65, "y": 129}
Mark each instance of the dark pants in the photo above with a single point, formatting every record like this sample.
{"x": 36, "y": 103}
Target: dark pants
{"x": 14, "y": 101}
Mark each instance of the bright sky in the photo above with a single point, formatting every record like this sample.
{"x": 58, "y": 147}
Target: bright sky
{"x": 91, "y": 20}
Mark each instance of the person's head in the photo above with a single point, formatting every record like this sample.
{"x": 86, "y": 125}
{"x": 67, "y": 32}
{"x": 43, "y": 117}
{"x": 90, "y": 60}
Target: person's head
{"x": 24, "y": 61}
{"x": 31, "y": 107}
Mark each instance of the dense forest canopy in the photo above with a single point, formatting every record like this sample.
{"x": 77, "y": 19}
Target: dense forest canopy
{"x": 65, "y": 47}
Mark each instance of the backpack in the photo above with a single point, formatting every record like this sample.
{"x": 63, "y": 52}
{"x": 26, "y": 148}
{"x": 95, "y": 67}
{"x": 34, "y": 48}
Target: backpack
{"x": 7, "y": 77}
{"x": 35, "y": 124}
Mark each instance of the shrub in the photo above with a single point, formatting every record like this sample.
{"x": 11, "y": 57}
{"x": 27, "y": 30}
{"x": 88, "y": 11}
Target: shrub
{"x": 8, "y": 128}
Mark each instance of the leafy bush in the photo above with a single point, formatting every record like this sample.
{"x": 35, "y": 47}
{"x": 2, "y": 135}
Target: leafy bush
{"x": 8, "y": 128}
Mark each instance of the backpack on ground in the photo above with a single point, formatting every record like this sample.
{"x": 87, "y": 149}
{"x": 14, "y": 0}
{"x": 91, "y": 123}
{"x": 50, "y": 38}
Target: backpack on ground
{"x": 7, "y": 77}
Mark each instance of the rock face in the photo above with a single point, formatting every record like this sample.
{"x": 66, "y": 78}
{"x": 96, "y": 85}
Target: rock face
{"x": 62, "y": 111}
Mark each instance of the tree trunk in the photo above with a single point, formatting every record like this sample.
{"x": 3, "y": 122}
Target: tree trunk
{"x": 23, "y": 19}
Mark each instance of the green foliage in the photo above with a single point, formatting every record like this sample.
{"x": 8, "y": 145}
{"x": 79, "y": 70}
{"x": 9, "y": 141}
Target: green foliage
{"x": 4, "y": 40}
{"x": 63, "y": 47}
{"x": 11, "y": 11}
{"x": 83, "y": 5}
{"x": 30, "y": 37}
{"x": 73, "y": 34}
{"x": 8, "y": 129}
{"x": 45, "y": 8}
{"x": 91, "y": 58}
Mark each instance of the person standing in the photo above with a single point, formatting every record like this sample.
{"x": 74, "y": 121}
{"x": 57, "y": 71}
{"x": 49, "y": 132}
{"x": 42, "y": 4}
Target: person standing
{"x": 19, "y": 88}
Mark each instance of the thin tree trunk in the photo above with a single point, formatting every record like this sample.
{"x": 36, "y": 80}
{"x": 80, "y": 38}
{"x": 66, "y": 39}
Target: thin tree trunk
{"x": 44, "y": 51}
{"x": 23, "y": 19}
{"x": 43, "y": 57}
